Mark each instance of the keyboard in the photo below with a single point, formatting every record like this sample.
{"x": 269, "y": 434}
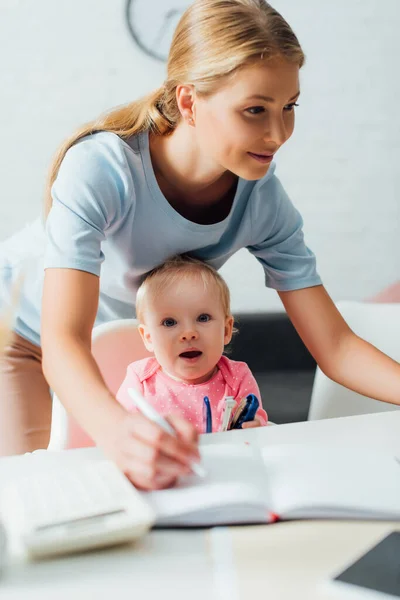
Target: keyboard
{"x": 75, "y": 507}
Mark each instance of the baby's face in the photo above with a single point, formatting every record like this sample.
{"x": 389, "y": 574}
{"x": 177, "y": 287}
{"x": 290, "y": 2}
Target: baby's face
{"x": 186, "y": 328}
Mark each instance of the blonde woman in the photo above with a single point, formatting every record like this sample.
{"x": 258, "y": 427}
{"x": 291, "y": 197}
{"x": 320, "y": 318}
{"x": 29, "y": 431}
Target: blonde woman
{"x": 189, "y": 169}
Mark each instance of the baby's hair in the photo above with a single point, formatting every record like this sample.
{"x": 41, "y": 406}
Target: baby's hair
{"x": 175, "y": 270}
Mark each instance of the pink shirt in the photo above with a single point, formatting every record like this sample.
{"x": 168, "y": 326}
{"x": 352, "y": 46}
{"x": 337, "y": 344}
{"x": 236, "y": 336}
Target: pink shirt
{"x": 168, "y": 396}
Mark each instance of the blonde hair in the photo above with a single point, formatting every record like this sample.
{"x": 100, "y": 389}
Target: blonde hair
{"x": 5, "y": 334}
{"x": 213, "y": 39}
{"x": 173, "y": 271}
{"x": 7, "y": 315}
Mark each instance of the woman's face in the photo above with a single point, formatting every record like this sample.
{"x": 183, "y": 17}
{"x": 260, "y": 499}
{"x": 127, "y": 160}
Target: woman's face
{"x": 242, "y": 125}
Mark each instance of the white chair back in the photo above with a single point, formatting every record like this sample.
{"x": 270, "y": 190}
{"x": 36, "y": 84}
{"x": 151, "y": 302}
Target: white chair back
{"x": 114, "y": 346}
{"x": 378, "y": 324}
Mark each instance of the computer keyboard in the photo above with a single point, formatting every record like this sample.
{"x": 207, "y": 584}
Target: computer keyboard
{"x": 75, "y": 507}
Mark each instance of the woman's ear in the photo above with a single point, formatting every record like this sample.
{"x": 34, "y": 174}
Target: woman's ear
{"x": 185, "y": 100}
{"x": 228, "y": 330}
{"x": 146, "y": 337}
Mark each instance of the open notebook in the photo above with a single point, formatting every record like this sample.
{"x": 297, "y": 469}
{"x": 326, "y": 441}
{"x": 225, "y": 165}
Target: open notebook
{"x": 247, "y": 484}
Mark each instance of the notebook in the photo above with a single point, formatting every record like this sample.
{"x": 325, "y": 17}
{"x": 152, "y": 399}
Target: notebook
{"x": 249, "y": 484}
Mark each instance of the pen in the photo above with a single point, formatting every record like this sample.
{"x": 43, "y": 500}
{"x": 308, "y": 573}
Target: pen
{"x": 207, "y": 414}
{"x": 227, "y": 414}
{"x": 150, "y": 412}
{"x": 246, "y": 411}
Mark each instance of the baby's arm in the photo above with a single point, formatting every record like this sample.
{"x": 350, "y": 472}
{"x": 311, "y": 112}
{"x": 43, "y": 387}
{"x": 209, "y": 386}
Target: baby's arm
{"x": 248, "y": 385}
{"x": 131, "y": 381}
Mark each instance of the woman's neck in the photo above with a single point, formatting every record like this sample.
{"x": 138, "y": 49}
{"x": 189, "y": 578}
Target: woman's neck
{"x": 184, "y": 176}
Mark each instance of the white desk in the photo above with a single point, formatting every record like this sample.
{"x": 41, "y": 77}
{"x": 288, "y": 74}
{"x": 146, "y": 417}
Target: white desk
{"x": 281, "y": 561}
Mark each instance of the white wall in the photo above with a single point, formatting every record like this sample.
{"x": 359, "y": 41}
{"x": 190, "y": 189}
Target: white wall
{"x": 63, "y": 62}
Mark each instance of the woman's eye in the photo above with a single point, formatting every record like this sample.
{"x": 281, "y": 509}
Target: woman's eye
{"x": 255, "y": 110}
{"x": 203, "y": 318}
{"x": 168, "y": 322}
{"x": 290, "y": 107}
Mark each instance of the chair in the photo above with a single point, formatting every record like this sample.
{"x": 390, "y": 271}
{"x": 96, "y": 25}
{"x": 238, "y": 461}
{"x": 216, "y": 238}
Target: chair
{"x": 378, "y": 324}
{"x": 388, "y": 294}
{"x": 114, "y": 346}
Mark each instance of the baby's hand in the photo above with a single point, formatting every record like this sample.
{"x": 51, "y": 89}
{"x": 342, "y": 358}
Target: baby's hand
{"x": 250, "y": 424}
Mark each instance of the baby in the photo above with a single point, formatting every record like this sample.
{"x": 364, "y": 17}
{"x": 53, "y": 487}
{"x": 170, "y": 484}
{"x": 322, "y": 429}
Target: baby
{"x": 183, "y": 308}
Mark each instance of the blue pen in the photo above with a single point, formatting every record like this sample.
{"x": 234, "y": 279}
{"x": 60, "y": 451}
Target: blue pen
{"x": 207, "y": 415}
{"x": 247, "y": 411}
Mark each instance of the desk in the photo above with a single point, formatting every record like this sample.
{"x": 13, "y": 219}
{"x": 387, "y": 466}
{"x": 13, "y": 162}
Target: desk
{"x": 282, "y": 561}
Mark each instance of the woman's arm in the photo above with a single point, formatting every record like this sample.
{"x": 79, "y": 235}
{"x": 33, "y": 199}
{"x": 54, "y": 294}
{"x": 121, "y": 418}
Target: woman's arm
{"x": 69, "y": 307}
{"x": 339, "y": 352}
{"x": 150, "y": 457}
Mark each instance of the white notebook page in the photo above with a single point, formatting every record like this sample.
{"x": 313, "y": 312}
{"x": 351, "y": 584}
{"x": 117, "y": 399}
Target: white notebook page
{"x": 235, "y": 478}
{"x": 332, "y": 480}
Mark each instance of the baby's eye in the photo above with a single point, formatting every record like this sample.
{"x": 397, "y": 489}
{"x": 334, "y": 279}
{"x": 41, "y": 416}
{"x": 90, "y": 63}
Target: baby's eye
{"x": 255, "y": 110}
{"x": 169, "y": 322}
{"x": 204, "y": 318}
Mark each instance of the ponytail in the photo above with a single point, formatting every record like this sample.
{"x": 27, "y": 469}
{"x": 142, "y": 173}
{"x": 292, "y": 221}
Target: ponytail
{"x": 125, "y": 121}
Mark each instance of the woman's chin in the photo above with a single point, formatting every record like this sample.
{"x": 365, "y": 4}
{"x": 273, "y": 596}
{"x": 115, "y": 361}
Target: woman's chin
{"x": 253, "y": 173}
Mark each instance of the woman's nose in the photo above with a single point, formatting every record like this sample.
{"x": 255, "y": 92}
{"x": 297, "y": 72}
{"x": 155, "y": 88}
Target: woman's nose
{"x": 276, "y": 132}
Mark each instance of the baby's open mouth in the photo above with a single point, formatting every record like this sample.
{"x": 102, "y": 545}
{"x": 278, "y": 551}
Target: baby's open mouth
{"x": 191, "y": 354}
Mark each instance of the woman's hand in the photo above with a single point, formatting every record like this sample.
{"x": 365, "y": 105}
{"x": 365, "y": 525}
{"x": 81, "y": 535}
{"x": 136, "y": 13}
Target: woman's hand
{"x": 150, "y": 457}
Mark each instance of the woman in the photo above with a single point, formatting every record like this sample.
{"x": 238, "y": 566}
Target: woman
{"x": 187, "y": 169}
